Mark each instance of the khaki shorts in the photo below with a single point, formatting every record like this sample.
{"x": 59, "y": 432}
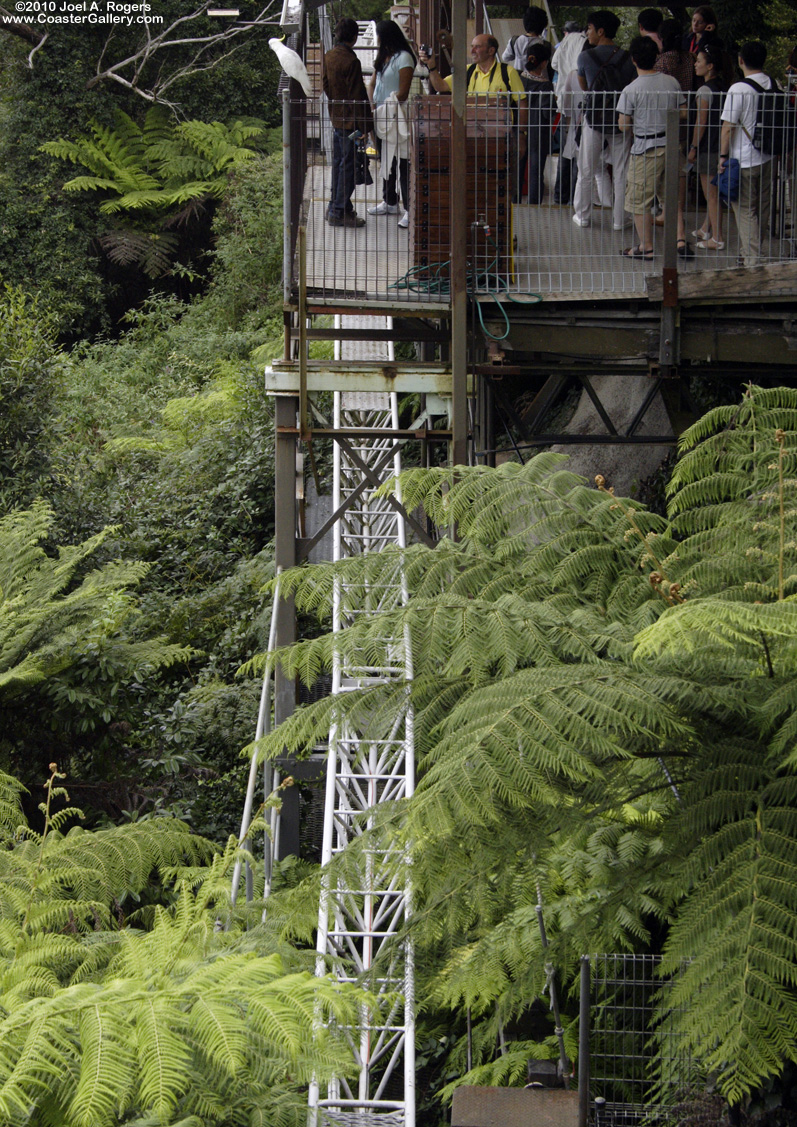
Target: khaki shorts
{"x": 645, "y": 180}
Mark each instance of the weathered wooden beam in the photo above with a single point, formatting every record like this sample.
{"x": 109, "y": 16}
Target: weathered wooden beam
{"x": 750, "y": 283}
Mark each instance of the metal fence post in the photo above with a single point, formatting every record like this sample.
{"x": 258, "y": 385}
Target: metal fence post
{"x": 668, "y": 345}
{"x": 287, "y": 218}
{"x": 583, "y": 1044}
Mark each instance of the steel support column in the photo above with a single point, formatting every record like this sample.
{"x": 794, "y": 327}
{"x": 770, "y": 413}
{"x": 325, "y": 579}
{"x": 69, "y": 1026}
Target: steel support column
{"x": 459, "y": 238}
{"x": 286, "y": 409}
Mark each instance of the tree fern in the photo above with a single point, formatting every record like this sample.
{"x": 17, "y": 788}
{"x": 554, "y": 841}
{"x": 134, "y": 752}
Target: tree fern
{"x": 160, "y": 1016}
{"x": 155, "y": 175}
{"x": 605, "y": 714}
{"x": 48, "y": 602}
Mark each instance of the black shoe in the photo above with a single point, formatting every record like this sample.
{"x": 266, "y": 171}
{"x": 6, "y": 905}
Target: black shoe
{"x": 350, "y": 219}
{"x": 684, "y": 249}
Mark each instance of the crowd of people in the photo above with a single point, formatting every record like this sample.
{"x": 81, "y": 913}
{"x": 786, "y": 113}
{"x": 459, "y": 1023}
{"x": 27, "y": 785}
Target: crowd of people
{"x": 602, "y": 107}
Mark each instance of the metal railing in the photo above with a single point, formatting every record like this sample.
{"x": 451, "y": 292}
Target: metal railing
{"x": 548, "y": 202}
{"x": 638, "y": 1065}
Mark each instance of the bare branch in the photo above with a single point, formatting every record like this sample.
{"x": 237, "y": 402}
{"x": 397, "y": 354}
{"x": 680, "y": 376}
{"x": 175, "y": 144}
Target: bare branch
{"x": 156, "y": 47}
{"x": 205, "y": 50}
{"x": 26, "y": 31}
{"x": 40, "y": 44}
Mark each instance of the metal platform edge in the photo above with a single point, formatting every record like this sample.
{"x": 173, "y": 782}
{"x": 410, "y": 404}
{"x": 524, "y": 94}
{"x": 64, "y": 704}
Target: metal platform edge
{"x": 283, "y": 377}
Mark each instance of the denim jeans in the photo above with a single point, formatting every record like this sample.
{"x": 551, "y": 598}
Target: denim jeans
{"x": 342, "y": 173}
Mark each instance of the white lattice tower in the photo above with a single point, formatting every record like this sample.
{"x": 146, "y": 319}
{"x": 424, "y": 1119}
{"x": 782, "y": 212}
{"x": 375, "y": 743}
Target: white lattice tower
{"x": 369, "y": 764}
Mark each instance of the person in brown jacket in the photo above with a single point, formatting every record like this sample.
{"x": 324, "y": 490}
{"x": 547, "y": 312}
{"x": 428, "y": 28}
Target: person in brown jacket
{"x": 349, "y": 112}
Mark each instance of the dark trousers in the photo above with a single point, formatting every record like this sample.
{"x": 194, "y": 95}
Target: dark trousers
{"x": 343, "y": 153}
{"x": 539, "y": 147}
{"x": 566, "y": 174}
{"x": 389, "y": 194}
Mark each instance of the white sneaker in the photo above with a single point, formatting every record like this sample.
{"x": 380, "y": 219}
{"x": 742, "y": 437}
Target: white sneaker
{"x": 405, "y": 220}
{"x": 580, "y": 222}
{"x": 383, "y": 209}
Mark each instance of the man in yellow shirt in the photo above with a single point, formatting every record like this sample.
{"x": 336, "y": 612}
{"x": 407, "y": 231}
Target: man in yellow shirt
{"x": 486, "y": 76}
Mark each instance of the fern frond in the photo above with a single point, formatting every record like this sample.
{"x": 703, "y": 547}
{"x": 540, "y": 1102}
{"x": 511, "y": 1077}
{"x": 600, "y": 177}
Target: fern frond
{"x": 740, "y": 924}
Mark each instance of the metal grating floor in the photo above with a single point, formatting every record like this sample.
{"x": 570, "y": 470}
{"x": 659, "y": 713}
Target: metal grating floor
{"x": 552, "y": 256}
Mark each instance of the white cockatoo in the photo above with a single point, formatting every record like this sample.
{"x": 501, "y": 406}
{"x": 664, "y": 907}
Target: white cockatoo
{"x": 292, "y": 65}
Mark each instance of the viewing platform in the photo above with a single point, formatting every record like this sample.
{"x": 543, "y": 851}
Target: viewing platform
{"x": 519, "y": 253}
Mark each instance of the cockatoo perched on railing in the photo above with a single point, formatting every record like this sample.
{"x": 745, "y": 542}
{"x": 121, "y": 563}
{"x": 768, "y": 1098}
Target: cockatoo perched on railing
{"x": 292, "y": 65}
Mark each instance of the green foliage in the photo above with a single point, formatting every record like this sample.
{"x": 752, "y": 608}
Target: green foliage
{"x": 159, "y": 175}
{"x": 167, "y": 433}
{"x": 49, "y": 235}
{"x": 30, "y": 373}
{"x": 47, "y": 610}
{"x": 71, "y": 660}
{"x": 160, "y": 1017}
{"x": 604, "y": 714}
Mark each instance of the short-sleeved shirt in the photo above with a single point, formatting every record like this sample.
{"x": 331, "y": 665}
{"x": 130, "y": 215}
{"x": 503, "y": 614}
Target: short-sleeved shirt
{"x": 646, "y": 100}
{"x": 589, "y": 62}
{"x": 493, "y": 81}
{"x": 740, "y": 108}
{"x": 387, "y": 80}
{"x": 516, "y": 51}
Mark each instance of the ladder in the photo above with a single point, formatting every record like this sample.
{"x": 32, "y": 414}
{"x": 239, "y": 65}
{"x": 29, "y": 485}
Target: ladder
{"x": 368, "y": 764}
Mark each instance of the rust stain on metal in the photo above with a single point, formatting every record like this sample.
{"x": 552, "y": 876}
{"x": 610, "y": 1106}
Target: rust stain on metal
{"x": 669, "y": 278}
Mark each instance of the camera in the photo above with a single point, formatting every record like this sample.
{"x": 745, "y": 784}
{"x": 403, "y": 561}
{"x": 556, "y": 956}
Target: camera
{"x": 426, "y": 50}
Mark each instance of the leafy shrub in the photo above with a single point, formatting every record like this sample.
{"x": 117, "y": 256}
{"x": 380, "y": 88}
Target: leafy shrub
{"x": 30, "y": 372}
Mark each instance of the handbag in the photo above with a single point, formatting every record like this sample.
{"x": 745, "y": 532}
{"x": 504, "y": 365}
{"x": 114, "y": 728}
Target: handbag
{"x": 362, "y": 173}
{"x": 727, "y": 181}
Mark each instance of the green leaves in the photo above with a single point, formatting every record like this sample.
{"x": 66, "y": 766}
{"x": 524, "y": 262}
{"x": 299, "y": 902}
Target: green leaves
{"x": 160, "y": 164}
{"x": 604, "y": 712}
{"x": 49, "y": 604}
{"x": 188, "y": 1016}
{"x": 740, "y": 921}
{"x": 156, "y": 174}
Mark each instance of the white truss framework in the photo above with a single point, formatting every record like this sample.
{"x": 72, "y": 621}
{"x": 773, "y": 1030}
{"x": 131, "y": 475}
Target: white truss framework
{"x": 369, "y": 764}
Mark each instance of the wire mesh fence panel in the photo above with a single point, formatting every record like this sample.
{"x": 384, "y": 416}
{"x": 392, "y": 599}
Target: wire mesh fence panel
{"x": 638, "y": 1065}
{"x": 554, "y": 206}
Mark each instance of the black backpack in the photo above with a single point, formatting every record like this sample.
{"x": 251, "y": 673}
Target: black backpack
{"x": 774, "y": 129}
{"x": 600, "y": 108}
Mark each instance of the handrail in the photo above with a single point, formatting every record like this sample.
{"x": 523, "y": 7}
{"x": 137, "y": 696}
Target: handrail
{"x": 262, "y": 728}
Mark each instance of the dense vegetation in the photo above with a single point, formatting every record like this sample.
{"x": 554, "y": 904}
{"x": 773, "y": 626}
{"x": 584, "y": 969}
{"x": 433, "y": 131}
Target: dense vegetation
{"x": 118, "y": 1006}
{"x": 163, "y": 433}
{"x": 580, "y": 660}
{"x": 604, "y": 705}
